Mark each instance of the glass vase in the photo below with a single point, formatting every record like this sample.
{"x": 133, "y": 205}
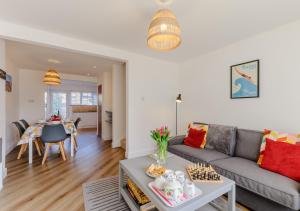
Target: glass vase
{"x": 162, "y": 153}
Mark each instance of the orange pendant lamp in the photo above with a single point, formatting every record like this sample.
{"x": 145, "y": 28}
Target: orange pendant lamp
{"x": 52, "y": 78}
{"x": 164, "y": 32}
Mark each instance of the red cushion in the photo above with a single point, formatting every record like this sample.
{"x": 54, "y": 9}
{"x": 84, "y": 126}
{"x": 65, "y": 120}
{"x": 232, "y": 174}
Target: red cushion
{"x": 194, "y": 138}
{"x": 282, "y": 158}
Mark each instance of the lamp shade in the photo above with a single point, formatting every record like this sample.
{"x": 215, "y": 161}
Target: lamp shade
{"x": 164, "y": 31}
{"x": 179, "y": 99}
{"x": 52, "y": 78}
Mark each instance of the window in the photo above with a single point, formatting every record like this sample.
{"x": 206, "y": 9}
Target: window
{"x": 59, "y": 103}
{"x": 83, "y": 98}
{"x": 75, "y": 98}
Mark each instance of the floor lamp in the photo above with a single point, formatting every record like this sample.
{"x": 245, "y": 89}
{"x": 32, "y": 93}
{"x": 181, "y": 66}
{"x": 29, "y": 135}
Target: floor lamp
{"x": 178, "y": 100}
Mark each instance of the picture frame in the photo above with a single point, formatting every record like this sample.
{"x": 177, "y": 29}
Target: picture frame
{"x": 8, "y": 83}
{"x": 244, "y": 80}
{"x": 2, "y": 74}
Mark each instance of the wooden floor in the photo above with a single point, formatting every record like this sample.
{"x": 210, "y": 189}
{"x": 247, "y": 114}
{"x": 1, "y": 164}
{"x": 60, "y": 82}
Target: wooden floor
{"x": 57, "y": 185}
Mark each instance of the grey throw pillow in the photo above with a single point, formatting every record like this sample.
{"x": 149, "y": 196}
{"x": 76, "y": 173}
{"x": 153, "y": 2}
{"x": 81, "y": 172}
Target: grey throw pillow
{"x": 221, "y": 138}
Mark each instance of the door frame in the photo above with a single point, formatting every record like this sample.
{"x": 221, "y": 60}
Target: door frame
{"x": 99, "y": 111}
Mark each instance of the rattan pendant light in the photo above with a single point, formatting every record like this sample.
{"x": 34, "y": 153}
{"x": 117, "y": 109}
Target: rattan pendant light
{"x": 52, "y": 78}
{"x": 164, "y": 31}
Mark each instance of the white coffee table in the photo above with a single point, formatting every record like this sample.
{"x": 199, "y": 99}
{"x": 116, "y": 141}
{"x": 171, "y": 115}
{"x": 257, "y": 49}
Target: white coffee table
{"x": 135, "y": 170}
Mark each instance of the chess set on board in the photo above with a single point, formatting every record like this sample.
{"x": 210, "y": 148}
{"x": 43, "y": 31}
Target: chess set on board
{"x": 203, "y": 173}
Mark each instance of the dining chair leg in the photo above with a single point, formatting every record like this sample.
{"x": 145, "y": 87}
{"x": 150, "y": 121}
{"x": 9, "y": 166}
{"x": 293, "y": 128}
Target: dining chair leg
{"x": 41, "y": 144}
{"x": 62, "y": 151}
{"x": 75, "y": 143}
{"x": 46, "y": 153}
{"x": 38, "y": 148}
{"x": 20, "y": 151}
{"x": 25, "y": 148}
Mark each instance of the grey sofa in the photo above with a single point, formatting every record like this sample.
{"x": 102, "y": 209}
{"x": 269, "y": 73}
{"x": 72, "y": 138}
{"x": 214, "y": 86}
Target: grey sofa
{"x": 233, "y": 153}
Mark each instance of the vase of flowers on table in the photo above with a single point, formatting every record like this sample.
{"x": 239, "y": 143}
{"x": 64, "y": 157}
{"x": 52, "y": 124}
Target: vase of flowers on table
{"x": 161, "y": 137}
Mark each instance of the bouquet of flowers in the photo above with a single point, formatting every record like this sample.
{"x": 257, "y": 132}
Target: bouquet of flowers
{"x": 161, "y": 136}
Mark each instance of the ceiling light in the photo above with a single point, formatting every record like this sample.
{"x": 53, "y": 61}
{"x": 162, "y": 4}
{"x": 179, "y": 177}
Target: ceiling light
{"x": 52, "y": 78}
{"x": 54, "y": 61}
{"x": 164, "y": 31}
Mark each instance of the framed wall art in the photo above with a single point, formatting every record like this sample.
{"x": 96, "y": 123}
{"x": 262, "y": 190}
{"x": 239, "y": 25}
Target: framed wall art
{"x": 244, "y": 81}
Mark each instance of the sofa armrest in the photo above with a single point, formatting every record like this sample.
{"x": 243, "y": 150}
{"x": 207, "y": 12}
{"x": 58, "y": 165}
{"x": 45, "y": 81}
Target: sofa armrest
{"x": 176, "y": 140}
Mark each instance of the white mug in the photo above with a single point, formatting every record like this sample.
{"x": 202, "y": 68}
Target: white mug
{"x": 180, "y": 177}
{"x": 189, "y": 188}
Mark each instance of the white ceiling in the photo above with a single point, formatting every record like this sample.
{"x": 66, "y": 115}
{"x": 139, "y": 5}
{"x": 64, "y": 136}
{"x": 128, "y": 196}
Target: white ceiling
{"x": 206, "y": 24}
{"x": 35, "y": 57}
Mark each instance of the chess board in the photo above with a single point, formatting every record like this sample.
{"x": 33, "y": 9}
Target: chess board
{"x": 203, "y": 173}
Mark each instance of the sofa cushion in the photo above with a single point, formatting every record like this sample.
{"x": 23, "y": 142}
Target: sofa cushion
{"x": 199, "y": 126}
{"x": 221, "y": 138}
{"x": 247, "y": 174}
{"x": 195, "y": 138}
{"x": 274, "y": 135}
{"x": 176, "y": 140}
{"x": 196, "y": 155}
{"x": 282, "y": 158}
{"x": 248, "y": 143}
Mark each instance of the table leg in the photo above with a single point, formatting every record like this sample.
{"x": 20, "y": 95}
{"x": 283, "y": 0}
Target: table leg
{"x": 121, "y": 179}
{"x": 30, "y": 150}
{"x": 231, "y": 199}
{"x": 72, "y": 145}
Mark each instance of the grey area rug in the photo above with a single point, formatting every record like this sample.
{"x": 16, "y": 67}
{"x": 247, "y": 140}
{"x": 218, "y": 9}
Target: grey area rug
{"x": 103, "y": 195}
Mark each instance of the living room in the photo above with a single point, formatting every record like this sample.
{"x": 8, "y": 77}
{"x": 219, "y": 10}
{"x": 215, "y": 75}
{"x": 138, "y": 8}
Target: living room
{"x": 220, "y": 41}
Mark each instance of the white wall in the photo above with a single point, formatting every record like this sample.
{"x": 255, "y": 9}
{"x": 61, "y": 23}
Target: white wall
{"x": 31, "y": 95}
{"x": 106, "y": 104}
{"x": 205, "y": 83}
{"x": 153, "y": 86}
{"x": 12, "y": 107}
{"x": 118, "y": 104}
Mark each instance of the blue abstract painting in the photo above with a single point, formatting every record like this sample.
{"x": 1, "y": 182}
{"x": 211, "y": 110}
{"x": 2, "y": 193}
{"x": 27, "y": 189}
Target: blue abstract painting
{"x": 245, "y": 80}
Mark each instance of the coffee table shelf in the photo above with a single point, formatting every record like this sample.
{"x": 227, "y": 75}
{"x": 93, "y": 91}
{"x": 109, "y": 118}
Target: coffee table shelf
{"x": 129, "y": 200}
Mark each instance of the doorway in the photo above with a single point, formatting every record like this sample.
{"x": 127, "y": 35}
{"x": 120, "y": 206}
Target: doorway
{"x": 59, "y": 104}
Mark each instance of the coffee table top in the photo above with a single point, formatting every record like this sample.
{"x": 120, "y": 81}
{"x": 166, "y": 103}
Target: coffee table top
{"x": 136, "y": 167}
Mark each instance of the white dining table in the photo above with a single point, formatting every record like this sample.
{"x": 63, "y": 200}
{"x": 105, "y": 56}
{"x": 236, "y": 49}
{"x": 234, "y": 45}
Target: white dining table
{"x": 35, "y": 131}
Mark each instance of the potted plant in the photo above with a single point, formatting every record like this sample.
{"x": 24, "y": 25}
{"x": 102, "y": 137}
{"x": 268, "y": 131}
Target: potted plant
{"x": 161, "y": 137}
